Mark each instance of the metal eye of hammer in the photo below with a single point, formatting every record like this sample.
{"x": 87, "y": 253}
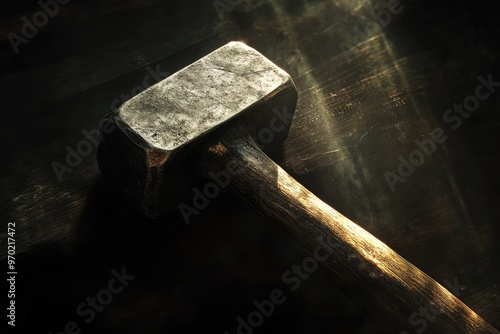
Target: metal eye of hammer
{"x": 201, "y": 120}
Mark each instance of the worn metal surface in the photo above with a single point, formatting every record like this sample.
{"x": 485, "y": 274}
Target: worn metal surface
{"x": 352, "y": 122}
{"x": 148, "y": 151}
{"x": 202, "y": 96}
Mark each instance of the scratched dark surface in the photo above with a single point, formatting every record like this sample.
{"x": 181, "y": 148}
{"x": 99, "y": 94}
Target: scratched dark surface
{"x": 354, "y": 118}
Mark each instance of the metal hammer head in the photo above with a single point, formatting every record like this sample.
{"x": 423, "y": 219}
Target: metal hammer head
{"x": 148, "y": 151}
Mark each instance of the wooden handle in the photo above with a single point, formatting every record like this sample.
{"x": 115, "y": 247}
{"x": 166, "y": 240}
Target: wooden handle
{"x": 399, "y": 296}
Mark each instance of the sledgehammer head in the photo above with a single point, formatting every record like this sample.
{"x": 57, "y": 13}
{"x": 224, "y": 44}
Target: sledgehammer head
{"x": 149, "y": 153}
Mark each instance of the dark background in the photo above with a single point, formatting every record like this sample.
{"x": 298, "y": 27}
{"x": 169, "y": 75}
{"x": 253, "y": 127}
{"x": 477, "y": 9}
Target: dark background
{"x": 352, "y": 122}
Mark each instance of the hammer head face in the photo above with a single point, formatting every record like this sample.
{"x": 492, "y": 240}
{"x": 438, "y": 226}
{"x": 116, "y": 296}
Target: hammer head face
{"x": 149, "y": 152}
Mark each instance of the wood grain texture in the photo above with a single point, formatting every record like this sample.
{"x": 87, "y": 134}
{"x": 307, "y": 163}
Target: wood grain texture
{"x": 387, "y": 286}
{"x": 352, "y": 122}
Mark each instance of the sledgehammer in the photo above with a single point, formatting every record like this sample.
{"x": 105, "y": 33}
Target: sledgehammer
{"x": 202, "y": 120}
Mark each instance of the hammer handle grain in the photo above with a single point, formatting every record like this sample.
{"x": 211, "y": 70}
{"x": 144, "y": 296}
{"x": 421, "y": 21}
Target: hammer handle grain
{"x": 372, "y": 275}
